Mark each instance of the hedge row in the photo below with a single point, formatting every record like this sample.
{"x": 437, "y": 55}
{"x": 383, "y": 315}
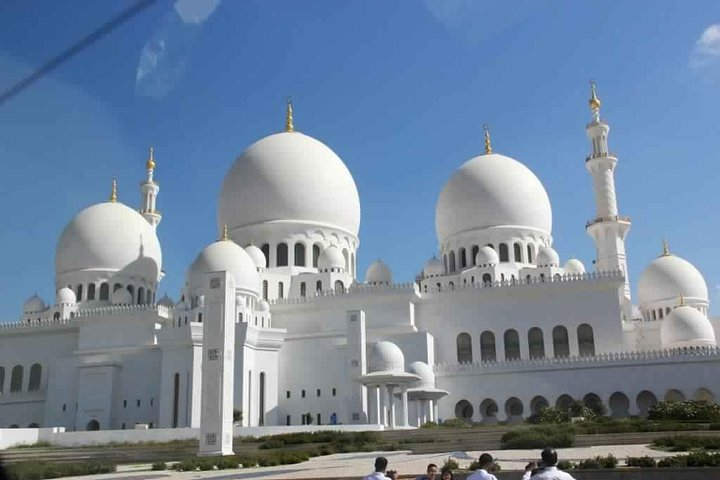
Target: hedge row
{"x": 557, "y": 436}
{"x": 684, "y": 443}
{"x": 242, "y": 461}
{"x": 37, "y": 470}
{"x": 687, "y": 410}
{"x": 300, "y": 438}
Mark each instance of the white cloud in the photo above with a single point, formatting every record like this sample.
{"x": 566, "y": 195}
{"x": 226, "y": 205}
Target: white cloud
{"x": 195, "y": 11}
{"x": 707, "y": 48}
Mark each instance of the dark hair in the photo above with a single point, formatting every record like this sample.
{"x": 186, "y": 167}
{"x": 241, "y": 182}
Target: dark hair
{"x": 531, "y": 466}
{"x": 432, "y": 465}
{"x": 390, "y": 473}
{"x": 447, "y": 470}
{"x": 549, "y": 457}
{"x": 485, "y": 460}
{"x": 380, "y": 464}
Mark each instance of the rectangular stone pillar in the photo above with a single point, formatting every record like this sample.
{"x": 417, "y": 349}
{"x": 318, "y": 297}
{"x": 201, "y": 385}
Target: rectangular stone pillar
{"x": 216, "y": 421}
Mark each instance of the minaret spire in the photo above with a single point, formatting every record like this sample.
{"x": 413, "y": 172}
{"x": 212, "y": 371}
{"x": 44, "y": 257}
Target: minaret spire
{"x": 149, "y": 190}
{"x": 608, "y": 228}
{"x": 666, "y": 249}
{"x": 289, "y": 127}
{"x": 488, "y": 143}
{"x": 224, "y": 236}
{"x": 113, "y": 191}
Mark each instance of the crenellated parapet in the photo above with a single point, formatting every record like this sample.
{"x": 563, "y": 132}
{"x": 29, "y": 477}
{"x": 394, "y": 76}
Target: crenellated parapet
{"x": 160, "y": 310}
{"x": 357, "y": 289}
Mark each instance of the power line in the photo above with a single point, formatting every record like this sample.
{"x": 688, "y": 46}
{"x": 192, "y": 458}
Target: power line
{"x": 73, "y": 50}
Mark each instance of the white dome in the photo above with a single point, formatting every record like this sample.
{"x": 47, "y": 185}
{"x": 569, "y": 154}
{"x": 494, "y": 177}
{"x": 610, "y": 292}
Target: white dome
{"x": 122, "y": 296}
{"x": 166, "y": 301}
{"x": 257, "y": 256}
{"x": 492, "y": 191}
{"x": 433, "y": 267}
{"x": 547, "y": 257}
{"x": 423, "y": 370}
{"x": 386, "y": 357}
{"x": 487, "y": 256}
{"x": 574, "y": 267}
{"x": 224, "y": 255}
{"x": 378, "y": 272}
{"x": 685, "y": 327}
{"x": 331, "y": 257}
{"x": 667, "y": 278}
{"x": 33, "y": 304}
{"x": 109, "y": 236}
{"x": 289, "y": 177}
{"x": 66, "y": 296}
{"x": 263, "y": 306}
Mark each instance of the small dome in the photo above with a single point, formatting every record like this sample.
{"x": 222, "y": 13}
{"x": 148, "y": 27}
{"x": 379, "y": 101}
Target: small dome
{"x": 486, "y": 256}
{"x": 433, "y": 267}
{"x": 66, "y": 296}
{"x": 668, "y": 277}
{"x": 685, "y": 327}
{"x": 574, "y": 267}
{"x": 122, "y": 297}
{"x": 263, "y": 306}
{"x": 240, "y": 301}
{"x": 386, "y": 357}
{"x": 257, "y": 255}
{"x": 224, "y": 255}
{"x": 331, "y": 257}
{"x": 166, "y": 301}
{"x": 378, "y": 272}
{"x": 33, "y": 304}
{"x": 423, "y": 370}
{"x": 547, "y": 257}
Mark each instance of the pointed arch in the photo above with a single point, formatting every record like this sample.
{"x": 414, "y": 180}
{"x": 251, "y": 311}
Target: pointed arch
{"x": 561, "y": 342}
{"x": 586, "y": 340}
{"x": 517, "y": 252}
{"x": 299, "y": 254}
{"x": 512, "y": 344}
{"x": 464, "y": 348}
{"x": 536, "y": 343}
{"x": 281, "y": 255}
{"x": 35, "y": 377}
{"x": 504, "y": 253}
{"x": 487, "y": 346}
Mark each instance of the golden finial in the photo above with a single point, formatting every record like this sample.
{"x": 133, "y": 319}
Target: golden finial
{"x": 666, "y": 248}
{"x": 150, "y": 164}
{"x": 594, "y": 100}
{"x": 681, "y": 301}
{"x": 488, "y": 145}
{"x": 113, "y": 192}
{"x": 225, "y": 235}
{"x": 289, "y": 127}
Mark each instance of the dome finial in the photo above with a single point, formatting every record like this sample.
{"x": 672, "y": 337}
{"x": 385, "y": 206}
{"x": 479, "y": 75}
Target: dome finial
{"x": 289, "y": 127}
{"x": 488, "y": 145}
{"x": 113, "y": 192}
{"x": 594, "y": 101}
{"x": 150, "y": 164}
{"x": 225, "y": 235}
{"x": 681, "y": 301}
{"x": 666, "y": 249}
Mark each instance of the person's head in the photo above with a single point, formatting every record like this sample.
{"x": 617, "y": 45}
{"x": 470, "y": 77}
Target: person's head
{"x": 432, "y": 470}
{"x": 549, "y": 457}
{"x": 531, "y": 466}
{"x": 446, "y": 474}
{"x": 380, "y": 464}
{"x": 485, "y": 461}
{"x": 392, "y": 474}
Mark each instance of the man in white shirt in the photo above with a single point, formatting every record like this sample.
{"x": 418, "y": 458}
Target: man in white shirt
{"x": 529, "y": 468}
{"x": 485, "y": 462}
{"x": 380, "y": 467}
{"x": 550, "y": 471}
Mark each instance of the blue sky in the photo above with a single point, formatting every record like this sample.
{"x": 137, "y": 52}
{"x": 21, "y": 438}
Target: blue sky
{"x": 399, "y": 89}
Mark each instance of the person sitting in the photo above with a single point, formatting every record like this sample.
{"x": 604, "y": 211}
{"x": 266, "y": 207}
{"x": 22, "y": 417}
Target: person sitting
{"x": 446, "y": 474}
{"x": 550, "y": 471}
{"x": 485, "y": 462}
{"x": 380, "y": 467}
{"x": 430, "y": 473}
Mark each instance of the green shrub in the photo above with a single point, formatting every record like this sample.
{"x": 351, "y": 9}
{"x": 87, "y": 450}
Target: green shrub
{"x": 678, "y": 461}
{"x": 686, "y": 410}
{"x": 36, "y": 470}
{"x": 714, "y": 426}
{"x": 159, "y": 466}
{"x": 553, "y": 415}
{"x": 450, "y": 464}
{"x": 598, "y": 462}
{"x": 642, "y": 462}
{"x": 566, "y": 465}
{"x": 684, "y": 443}
{"x": 456, "y": 423}
{"x": 557, "y": 436}
{"x": 429, "y": 425}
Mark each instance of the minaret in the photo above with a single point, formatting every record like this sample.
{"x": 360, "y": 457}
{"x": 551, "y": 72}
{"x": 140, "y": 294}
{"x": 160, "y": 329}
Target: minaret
{"x": 148, "y": 193}
{"x": 608, "y": 229}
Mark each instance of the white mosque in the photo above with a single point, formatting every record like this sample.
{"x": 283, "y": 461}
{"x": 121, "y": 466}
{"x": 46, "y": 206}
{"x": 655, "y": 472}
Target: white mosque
{"x": 494, "y": 328}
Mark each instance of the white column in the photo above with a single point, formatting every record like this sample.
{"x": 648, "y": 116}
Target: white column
{"x": 405, "y": 421}
{"x": 378, "y": 406}
{"x": 423, "y": 411}
{"x": 391, "y": 404}
{"x": 435, "y": 410}
{"x": 432, "y": 411}
{"x": 384, "y": 403}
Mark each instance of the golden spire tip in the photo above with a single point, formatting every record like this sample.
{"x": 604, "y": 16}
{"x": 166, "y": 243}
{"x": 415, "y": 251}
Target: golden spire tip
{"x": 488, "y": 144}
{"x": 225, "y": 235}
{"x": 681, "y": 301}
{"x": 289, "y": 127}
{"x": 666, "y": 248}
{"x": 594, "y": 101}
{"x": 150, "y": 164}
{"x": 113, "y": 192}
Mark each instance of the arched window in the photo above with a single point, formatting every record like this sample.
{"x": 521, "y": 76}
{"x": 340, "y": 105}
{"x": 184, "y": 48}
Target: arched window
{"x": 2, "y": 379}
{"x": 104, "y": 291}
{"x": 92, "y": 426}
{"x": 316, "y": 254}
{"x": 504, "y": 254}
{"x": 140, "y": 295}
{"x": 266, "y": 251}
{"x": 561, "y": 345}
{"x": 487, "y": 279}
{"x": 339, "y": 287}
{"x": 79, "y": 293}
{"x": 149, "y": 295}
{"x": 281, "y": 290}
{"x": 451, "y": 260}
{"x": 131, "y": 289}
{"x": 487, "y": 346}
{"x": 536, "y": 343}
{"x": 464, "y": 410}
{"x": 303, "y": 289}
{"x": 473, "y": 257}
{"x": 56, "y": 316}
{"x": 261, "y": 400}
{"x": 265, "y": 290}
{"x": 117, "y": 287}
{"x": 517, "y": 252}
{"x": 445, "y": 262}
{"x": 35, "y": 377}
{"x": 282, "y": 255}
{"x": 199, "y": 317}
{"x": 463, "y": 258}
{"x": 464, "y": 348}
{"x": 176, "y": 400}
{"x": 512, "y": 345}
{"x": 16, "y": 379}
{"x": 586, "y": 340}
{"x": 542, "y": 277}
{"x": 91, "y": 292}
{"x": 529, "y": 254}
{"x": 299, "y": 254}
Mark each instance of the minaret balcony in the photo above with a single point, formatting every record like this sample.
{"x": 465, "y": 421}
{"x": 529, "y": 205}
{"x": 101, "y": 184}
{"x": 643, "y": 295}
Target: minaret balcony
{"x": 601, "y": 155}
{"x": 611, "y": 219}
{"x": 595, "y": 123}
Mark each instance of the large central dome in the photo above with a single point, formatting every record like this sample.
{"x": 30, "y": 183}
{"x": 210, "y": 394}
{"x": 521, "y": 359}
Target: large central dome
{"x": 289, "y": 178}
{"x": 492, "y": 191}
